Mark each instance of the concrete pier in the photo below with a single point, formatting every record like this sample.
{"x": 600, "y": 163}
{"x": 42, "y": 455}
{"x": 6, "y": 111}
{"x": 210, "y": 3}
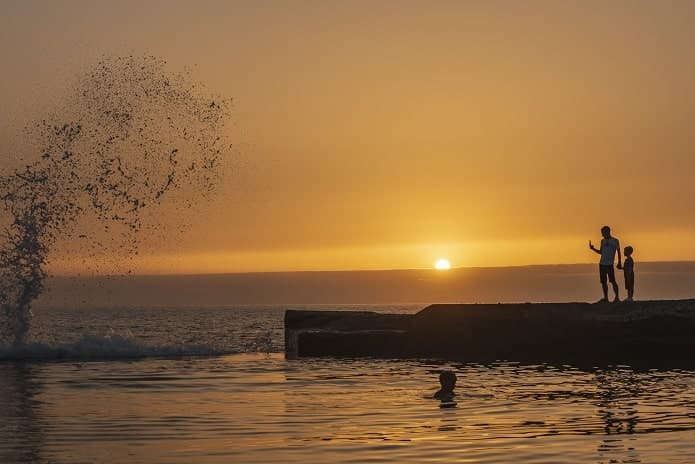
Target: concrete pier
{"x": 646, "y": 332}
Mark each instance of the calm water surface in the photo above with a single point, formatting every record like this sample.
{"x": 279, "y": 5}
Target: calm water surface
{"x": 259, "y": 407}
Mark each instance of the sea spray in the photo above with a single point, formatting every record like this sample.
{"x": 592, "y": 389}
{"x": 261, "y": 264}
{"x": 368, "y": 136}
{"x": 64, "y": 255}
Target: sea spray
{"x": 111, "y": 345}
{"x": 130, "y": 135}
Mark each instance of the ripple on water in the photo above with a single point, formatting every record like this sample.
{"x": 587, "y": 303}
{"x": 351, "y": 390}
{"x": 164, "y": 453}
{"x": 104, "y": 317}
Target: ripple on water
{"x": 263, "y": 408}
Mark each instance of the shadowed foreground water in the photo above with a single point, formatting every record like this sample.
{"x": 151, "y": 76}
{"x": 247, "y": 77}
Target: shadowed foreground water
{"x": 262, "y": 408}
{"x": 252, "y": 407}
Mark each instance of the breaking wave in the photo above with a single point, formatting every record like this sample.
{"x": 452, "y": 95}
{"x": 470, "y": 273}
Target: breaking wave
{"x": 106, "y": 347}
{"x": 129, "y": 137}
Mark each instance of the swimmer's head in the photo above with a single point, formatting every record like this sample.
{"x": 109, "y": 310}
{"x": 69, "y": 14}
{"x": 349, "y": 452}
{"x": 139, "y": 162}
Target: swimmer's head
{"x": 448, "y": 380}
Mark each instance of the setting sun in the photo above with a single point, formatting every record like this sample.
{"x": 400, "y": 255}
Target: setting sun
{"x": 312, "y": 195}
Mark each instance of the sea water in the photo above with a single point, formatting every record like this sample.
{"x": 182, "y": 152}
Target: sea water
{"x": 211, "y": 384}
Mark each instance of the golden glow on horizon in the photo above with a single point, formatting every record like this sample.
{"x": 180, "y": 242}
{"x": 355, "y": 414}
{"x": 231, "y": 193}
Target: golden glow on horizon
{"x": 489, "y": 253}
{"x": 442, "y": 264}
{"x": 501, "y": 133}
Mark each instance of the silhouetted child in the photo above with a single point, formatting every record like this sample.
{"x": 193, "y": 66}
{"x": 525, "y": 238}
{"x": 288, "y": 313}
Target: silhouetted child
{"x": 629, "y": 271}
{"x": 447, "y": 380}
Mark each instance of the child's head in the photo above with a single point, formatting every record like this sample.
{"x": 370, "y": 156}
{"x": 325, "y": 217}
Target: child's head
{"x": 606, "y": 231}
{"x": 447, "y": 379}
{"x": 628, "y": 251}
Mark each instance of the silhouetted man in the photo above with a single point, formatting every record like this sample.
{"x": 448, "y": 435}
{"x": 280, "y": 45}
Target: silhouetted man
{"x": 609, "y": 246}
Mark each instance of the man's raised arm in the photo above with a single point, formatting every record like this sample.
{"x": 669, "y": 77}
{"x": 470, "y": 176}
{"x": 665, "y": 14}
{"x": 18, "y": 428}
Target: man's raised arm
{"x": 592, "y": 247}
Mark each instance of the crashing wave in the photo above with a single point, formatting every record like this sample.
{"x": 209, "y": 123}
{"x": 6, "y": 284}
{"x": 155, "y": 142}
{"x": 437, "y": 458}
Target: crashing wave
{"x": 131, "y": 135}
{"x": 102, "y": 347}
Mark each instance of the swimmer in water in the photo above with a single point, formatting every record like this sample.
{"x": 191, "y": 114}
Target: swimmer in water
{"x": 447, "y": 380}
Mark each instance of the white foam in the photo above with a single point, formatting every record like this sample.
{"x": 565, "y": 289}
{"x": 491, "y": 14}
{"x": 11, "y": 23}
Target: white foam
{"x": 110, "y": 346}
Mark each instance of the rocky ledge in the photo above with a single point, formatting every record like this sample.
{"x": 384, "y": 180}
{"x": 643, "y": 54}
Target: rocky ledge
{"x": 649, "y": 332}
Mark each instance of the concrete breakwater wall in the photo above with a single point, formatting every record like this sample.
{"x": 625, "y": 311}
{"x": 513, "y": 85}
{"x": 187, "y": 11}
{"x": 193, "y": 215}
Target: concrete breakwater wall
{"x": 651, "y": 332}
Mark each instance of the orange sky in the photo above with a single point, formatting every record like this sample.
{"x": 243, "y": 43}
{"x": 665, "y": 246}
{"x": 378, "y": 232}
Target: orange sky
{"x": 388, "y": 134}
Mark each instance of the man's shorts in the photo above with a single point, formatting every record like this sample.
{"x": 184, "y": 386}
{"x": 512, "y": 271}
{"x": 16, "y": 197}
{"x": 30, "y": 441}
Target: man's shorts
{"x": 606, "y": 273}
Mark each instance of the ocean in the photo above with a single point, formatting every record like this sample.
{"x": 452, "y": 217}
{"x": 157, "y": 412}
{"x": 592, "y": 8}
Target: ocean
{"x": 191, "y": 369}
{"x": 211, "y": 385}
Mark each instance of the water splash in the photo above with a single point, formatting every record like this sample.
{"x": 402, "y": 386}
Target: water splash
{"x": 130, "y": 135}
{"x": 111, "y": 345}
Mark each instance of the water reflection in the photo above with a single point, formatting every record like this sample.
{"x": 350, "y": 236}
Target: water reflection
{"x": 266, "y": 409}
{"x": 616, "y": 405}
{"x": 21, "y": 430}
{"x": 448, "y": 421}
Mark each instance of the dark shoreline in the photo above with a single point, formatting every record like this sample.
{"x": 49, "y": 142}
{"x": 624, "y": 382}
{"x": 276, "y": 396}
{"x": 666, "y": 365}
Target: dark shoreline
{"x": 647, "y": 333}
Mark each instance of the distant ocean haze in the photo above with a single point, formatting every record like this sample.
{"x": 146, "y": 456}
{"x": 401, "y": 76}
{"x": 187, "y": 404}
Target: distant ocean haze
{"x": 573, "y": 282}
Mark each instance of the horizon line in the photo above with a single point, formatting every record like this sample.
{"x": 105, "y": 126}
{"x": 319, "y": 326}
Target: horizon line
{"x": 316, "y": 271}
